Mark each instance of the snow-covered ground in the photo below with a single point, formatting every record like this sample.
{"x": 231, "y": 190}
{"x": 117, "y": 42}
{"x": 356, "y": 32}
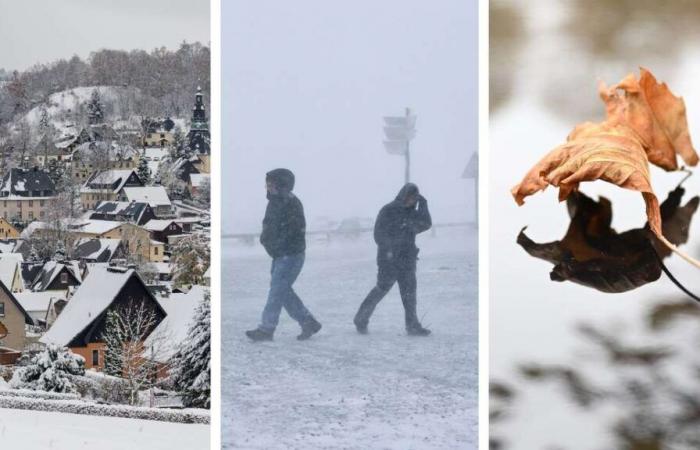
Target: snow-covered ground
{"x": 342, "y": 390}
{"x": 20, "y": 430}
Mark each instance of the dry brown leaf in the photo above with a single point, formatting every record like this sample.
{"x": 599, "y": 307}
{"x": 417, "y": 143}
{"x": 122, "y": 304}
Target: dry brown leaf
{"x": 656, "y": 116}
{"x": 594, "y": 152}
{"x": 645, "y": 123}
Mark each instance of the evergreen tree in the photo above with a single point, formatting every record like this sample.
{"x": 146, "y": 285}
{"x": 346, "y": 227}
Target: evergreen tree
{"x": 190, "y": 366}
{"x": 44, "y": 121}
{"x": 143, "y": 171}
{"x": 51, "y": 370}
{"x": 94, "y": 108}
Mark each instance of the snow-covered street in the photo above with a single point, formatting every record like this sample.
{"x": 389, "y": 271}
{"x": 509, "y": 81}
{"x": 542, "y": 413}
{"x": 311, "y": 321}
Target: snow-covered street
{"x": 342, "y": 390}
{"x": 25, "y": 430}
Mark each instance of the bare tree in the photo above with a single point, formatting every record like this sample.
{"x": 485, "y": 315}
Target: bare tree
{"x": 132, "y": 346}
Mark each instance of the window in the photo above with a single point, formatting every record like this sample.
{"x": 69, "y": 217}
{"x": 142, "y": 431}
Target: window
{"x": 31, "y": 203}
{"x": 155, "y": 250}
{"x": 95, "y": 357}
{"x": 19, "y": 204}
{"x": 4, "y": 203}
{"x": 2, "y": 309}
{"x": 31, "y": 215}
{"x": 41, "y": 203}
{"x": 64, "y": 278}
{"x": 42, "y": 214}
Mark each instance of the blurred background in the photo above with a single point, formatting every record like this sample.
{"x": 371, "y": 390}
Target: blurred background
{"x": 566, "y": 358}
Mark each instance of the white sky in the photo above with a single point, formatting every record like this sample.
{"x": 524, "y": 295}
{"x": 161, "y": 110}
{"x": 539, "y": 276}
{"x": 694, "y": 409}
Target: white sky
{"x": 306, "y": 83}
{"x": 41, "y": 31}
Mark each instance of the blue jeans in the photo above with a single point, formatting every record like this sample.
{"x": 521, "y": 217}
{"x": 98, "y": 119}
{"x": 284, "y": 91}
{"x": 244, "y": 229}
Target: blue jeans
{"x": 284, "y": 271}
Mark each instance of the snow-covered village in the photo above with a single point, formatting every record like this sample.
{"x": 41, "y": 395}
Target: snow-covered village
{"x": 105, "y": 249}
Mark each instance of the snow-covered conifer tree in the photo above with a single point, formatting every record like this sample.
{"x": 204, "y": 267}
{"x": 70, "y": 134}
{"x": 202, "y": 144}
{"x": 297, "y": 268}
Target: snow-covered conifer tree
{"x": 51, "y": 370}
{"x": 190, "y": 366}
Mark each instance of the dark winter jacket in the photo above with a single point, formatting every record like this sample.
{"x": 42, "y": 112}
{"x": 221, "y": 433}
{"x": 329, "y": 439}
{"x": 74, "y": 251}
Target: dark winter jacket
{"x": 284, "y": 225}
{"x": 397, "y": 226}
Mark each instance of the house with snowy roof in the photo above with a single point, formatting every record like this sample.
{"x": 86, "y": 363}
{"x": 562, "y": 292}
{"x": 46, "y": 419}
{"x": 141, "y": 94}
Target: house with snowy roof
{"x": 26, "y": 194}
{"x": 105, "y": 185}
{"x": 57, "y": 276}
{"x": 137, "y": 240}
{"x": 96, "y": 250}
{"x": 81, "y": 324}
{"x": 13, "y": 318}
{"x": 161, "y": 229}
{"x": 43, "y": 307}
{"x": 11, "y": 271}
{"x": 155, "y": 196}
{"x": 134, "y": 212}
{"x": 159, "y": 132}
{"x": 198, "y": 183}
{"x": 46, "y": 150}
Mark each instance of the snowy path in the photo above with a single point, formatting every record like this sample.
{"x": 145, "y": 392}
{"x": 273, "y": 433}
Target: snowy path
{"x": 342, "y": 390}
{"x": 29, "y": 430}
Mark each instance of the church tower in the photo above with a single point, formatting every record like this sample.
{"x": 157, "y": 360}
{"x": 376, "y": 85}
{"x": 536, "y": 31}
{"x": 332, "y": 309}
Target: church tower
{"x": 199, "y": 127}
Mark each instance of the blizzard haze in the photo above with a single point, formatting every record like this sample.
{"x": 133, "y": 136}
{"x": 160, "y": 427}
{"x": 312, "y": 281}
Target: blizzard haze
{"x": 305, "y": 85}
{"x": 42, "y": 31}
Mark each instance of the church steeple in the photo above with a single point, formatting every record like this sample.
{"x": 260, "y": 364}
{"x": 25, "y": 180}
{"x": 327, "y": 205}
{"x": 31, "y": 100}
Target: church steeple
{"x": 199, "y": 126}
{"x": 199, "y": 115}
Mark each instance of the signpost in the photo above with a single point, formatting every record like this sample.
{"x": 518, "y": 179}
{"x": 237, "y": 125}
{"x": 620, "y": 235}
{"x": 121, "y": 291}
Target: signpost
{"x": 399, "y": 131}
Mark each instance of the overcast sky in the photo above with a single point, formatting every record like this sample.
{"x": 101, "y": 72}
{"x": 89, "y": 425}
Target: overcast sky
{"x": 305, "y": 86}
{"x": 41, "y": 31}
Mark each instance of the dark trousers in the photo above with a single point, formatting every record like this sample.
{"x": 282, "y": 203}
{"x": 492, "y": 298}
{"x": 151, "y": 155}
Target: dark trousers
{"x": 389, "y": 273}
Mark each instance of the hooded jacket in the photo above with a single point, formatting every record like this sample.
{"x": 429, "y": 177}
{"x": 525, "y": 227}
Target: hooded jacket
{"x": 397, "y": 225}
{"x": 284, "y": 225}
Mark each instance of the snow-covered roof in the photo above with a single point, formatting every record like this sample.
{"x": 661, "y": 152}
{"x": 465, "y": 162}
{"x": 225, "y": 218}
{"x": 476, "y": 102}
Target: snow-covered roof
{"x": 197, "y": 179}
{"x": 180, "y": 309}
{"x": 7, "y": 246}
{"x": 130, "y": 210}
{"x": 153, "y": 195}
{"x": 163, "y": 267}
{"x": 10, "y": 264}
{"x": 97, "y": 292}
{"x": 97, "y": 227}
{"x": 113, "y": 177}
{"x": 158, "y": 224}
{"x": 26, "y": 183}
{"x": 38, "y": 301}
{"x": 94, "y": 249}
{"x": 50, "y": 271}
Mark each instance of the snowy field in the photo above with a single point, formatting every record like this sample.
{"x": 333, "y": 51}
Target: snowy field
{"x": 20, "y": 430}
{"x": 342, "y": 390}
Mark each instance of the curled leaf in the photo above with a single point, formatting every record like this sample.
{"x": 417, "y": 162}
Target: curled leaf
{"x": 645, "y": 123}
{"x": 594, "y": 152}
{"x": 656, "y": 115}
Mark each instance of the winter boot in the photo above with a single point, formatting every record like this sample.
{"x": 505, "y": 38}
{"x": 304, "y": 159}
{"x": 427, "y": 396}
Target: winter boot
{"x": 309, "y": 327}
{"x": 257, "y": 335}
{"x": 417, "y": 330}
{"x": 360, "y": 326}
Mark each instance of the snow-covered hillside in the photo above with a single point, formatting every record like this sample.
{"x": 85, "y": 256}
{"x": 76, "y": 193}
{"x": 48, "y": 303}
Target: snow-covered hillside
{"x": 66, "y": 102}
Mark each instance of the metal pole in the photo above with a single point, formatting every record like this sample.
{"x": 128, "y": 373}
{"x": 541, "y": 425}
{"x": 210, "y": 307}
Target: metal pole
{"x": 408, "y": 153}
{"x": 408, "y": 163}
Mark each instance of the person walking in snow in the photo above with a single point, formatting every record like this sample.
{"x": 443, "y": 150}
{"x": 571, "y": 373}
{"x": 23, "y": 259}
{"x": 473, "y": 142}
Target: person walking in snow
{"x": 283, "y": 236}
{"x": 395, "y": 232}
